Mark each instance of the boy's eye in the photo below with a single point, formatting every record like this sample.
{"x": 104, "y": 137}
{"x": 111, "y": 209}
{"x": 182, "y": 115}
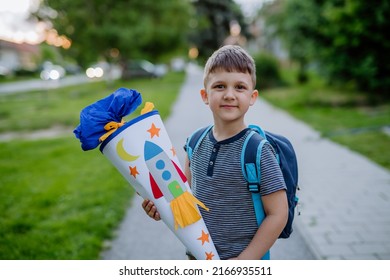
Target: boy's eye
{"x": 240, "y": 87}
{"x": 219, "y": 86}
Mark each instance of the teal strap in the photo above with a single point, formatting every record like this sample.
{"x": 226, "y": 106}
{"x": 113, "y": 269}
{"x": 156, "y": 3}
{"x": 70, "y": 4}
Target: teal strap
{"x": 243, "y": 165}
{"x": 253, "y": 176}
{"x": 190, "y": 146}
{"x": 260, "y": 215}
{"x": 258, "y": 129}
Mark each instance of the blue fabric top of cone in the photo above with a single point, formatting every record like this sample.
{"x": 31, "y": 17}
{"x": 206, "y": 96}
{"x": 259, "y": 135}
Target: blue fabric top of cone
{"x": 94, "y": 117}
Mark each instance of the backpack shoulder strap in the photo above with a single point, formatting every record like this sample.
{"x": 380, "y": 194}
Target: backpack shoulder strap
{"x": 258, "y": 129}
{"x": 250, "y": 164}
{"x": 195, "y": 139}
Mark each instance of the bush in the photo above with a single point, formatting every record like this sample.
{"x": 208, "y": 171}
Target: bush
{"x": 267, "y": 71}
{"x": 26, "y": 73}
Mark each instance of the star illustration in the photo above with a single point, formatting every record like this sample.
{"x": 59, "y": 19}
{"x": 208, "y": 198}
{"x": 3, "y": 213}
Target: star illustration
{"x": 173, "y": 151}
{"x": 154, "y": 131}
{"x": 204, "y": 237}
{"x": 209, "y": 256}
{"x": 133, "y": 171}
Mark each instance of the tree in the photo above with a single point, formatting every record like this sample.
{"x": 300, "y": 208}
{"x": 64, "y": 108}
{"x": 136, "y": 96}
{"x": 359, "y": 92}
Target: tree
{"x": 295, "y": 22}
{"x": 128, "y": 28}
{"x": 212, "y": 24}
{"x": 358, "y": 50}
{"x": 346, "y": 38}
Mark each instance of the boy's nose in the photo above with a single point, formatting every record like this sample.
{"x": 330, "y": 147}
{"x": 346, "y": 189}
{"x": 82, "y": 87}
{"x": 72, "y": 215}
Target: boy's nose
{"x": 229, "y": 93}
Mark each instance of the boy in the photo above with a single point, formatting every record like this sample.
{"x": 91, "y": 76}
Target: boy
{"x": 215, "y": 172}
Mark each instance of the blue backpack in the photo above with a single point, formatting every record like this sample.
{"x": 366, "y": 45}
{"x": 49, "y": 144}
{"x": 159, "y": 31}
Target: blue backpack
{"x": 250, "y": 164}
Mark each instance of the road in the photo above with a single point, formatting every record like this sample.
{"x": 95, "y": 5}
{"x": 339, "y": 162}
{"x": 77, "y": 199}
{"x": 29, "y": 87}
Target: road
{"x": 37, "y": 84}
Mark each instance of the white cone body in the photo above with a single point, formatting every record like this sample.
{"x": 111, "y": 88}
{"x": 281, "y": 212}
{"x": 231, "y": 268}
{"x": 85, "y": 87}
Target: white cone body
{"x": 140, "y": 150}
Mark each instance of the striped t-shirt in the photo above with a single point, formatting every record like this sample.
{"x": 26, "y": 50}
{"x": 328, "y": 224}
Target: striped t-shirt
{"x": 218, "y": 182}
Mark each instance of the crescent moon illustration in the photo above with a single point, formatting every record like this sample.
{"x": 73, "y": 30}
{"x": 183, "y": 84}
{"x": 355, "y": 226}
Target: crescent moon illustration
{"x": 122, "y": 152}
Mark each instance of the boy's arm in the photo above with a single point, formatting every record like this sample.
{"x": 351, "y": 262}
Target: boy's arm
{"x": 276, "y": 215}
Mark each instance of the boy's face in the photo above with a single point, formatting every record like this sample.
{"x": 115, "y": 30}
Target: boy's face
{"x": 229, "y": 95}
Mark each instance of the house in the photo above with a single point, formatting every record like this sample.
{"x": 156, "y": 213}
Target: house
{"x": 14, "y": 56}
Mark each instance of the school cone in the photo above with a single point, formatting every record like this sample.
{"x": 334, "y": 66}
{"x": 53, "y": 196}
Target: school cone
{"x": 142, "y": 152}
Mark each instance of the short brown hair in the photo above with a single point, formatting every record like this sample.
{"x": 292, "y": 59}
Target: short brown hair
{"x": 231, "y": 58}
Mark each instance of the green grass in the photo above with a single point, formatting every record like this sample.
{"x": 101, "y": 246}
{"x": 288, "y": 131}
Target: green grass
{"x": 344, "y": 116}
{"x": 58, "y": 202}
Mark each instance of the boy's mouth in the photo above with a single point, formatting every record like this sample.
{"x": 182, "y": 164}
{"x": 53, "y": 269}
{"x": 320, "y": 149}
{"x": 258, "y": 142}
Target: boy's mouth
{"x": 228, "y": 106}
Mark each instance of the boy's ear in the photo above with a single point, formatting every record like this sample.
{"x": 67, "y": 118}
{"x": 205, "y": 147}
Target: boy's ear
{"x": 254, "y": 96}
{"x": 204, "y": 95}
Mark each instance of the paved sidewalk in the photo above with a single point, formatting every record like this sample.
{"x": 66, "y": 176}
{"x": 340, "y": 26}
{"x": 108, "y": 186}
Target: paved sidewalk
{"x": 345, "y": 198}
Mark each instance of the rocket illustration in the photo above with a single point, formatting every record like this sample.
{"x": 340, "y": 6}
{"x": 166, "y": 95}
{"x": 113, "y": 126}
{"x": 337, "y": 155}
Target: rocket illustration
{"x": 168, "y": 181}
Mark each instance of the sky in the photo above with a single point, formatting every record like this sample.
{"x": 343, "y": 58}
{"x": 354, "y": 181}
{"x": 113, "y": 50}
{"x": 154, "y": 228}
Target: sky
{"x": 13, "y": 21}
{"x": 250, "y": 6}
{"x": 18, "y": 6}
{"x": 13, "y": 14}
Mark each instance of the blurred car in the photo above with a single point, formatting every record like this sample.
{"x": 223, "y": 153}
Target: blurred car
{"x": 51, "y": 71}
{"x": 143, "y": 69}
{"x": 178, "y": 64}
{"x": 72, "y": 69}
{"x": 97, "y": 70}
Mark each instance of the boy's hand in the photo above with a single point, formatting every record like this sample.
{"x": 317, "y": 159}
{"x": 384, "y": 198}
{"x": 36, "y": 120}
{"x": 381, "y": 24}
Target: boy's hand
{"x": 150, "y": 209}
